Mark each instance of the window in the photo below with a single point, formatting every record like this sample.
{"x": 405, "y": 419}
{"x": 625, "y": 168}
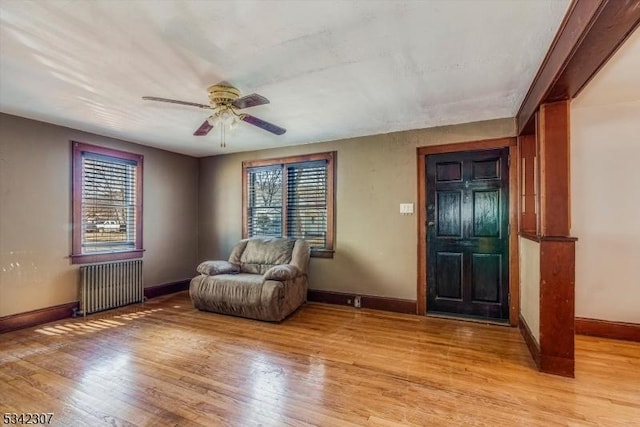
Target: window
{"x": 107, "y": 204}
{"x": 292, "y": 197}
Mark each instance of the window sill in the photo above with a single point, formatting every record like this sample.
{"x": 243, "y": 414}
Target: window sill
{"x": 104, "y": 257}
{"x": 322, "y": 253}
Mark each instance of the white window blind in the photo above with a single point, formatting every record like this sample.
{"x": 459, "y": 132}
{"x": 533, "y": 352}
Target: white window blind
{"x": 108, "y": 204}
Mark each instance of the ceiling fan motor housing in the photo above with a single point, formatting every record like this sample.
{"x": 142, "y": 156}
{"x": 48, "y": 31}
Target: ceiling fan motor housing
{"x": 222, "y": 94}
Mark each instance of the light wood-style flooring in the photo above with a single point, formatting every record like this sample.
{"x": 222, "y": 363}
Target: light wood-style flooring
{"x": 169, "y": 364}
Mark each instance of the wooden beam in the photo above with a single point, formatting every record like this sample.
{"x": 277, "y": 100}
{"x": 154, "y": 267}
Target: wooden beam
{"x": 554, "y": 181}
{"x": 589, "y": 35}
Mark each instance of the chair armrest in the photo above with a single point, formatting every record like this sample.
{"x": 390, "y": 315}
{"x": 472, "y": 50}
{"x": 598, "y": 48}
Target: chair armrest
{"x": 211, "y": 268}
{"x": 282, "y": 272}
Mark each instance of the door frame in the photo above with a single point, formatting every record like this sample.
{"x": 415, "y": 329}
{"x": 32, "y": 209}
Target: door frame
{"x": 514, "y": 266}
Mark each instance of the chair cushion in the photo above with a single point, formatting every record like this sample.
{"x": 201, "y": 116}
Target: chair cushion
{"x": 261, "y": 254}
{"x": 212, "y": 268}
{"x": 282, "y": 272}
{"x": 237, "y": 250}
{"x": 234, "y": 289}
{"x": 246, "y": 295}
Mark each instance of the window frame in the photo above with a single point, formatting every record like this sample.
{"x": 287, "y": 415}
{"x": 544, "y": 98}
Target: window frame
{"x": 329, "y": 157}
{"x": 77, "y": 256}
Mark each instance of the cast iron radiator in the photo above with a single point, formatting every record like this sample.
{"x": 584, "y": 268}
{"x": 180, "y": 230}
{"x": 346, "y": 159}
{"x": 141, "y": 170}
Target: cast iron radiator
{"x": 110, "y": 285}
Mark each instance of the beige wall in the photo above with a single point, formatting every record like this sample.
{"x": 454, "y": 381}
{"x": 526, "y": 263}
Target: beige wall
{"x": 35, "y": 214}
{"x": 605, "y": 193}
{"x": 530, "y": 285}
{"x": 376, "y": 247}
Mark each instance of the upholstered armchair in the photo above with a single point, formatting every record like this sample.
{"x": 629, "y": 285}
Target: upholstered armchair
{"x": 264, "y": 278}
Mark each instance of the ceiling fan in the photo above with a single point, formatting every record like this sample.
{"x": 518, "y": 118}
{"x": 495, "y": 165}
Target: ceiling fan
{"x": 225, "y": 101}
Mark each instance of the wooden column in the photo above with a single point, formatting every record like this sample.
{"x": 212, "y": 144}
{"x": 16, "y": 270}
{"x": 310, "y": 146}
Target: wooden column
{"x": 553, "y": 143}
{"x": 557, "y": 249}
{"x": 557, "y": 305}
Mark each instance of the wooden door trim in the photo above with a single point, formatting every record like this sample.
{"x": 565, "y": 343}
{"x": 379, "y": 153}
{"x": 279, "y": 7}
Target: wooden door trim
{"x": 489, "y": 144}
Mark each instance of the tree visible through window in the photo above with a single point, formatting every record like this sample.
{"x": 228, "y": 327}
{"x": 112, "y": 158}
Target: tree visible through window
{"x": 291, "y": 197}
{"x": 106, "y": 204}
{"x": 265, "y": 201}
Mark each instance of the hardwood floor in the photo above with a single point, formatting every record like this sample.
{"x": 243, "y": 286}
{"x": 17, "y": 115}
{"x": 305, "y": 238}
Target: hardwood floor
{"x": 169, "y": 364}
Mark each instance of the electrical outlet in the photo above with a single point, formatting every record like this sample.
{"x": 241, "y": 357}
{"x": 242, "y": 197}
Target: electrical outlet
{"x": 357, "y": 303}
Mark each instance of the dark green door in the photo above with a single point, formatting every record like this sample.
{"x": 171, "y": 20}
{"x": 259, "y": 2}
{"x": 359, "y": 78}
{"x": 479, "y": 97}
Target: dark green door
{"x": 467, "y": 233}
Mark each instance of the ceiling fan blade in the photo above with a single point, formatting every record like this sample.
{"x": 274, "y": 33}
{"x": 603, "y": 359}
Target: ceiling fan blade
{"x": 269, "y": 127}
{"x": 174, "y": 101}
{"x": 252, "y": 100}
{"x": 204, "y": 129}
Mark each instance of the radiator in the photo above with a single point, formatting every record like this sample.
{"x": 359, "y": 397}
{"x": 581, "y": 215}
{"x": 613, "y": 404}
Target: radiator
{"x": 110, "y": 285}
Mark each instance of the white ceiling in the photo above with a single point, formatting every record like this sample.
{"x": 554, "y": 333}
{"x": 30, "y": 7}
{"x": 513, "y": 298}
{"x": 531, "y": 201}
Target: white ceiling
{"x": 332, "y": 69}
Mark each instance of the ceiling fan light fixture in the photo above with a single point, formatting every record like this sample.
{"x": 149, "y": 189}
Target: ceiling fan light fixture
{"x": 225, "y": 119}
{"x": 228, "y": 118}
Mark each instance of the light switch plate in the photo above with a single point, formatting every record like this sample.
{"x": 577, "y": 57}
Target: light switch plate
{"x": 406, "y": 208}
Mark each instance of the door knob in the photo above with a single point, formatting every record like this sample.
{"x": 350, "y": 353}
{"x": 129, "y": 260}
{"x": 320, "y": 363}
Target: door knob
{"x": 431, "y": 223}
